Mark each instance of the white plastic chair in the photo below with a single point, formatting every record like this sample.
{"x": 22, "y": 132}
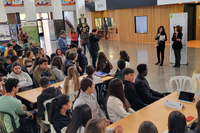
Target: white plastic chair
{"x": 73, "y": 95}
{"x": 181, "y": 82}
{"x": 197, "y": 90}
{"x": 45, "y": 121}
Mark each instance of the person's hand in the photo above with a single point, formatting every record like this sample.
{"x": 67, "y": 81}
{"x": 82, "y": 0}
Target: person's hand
{"x": 159, "y": 34}
{"x": 1, "y": 93}
{"x": 29, "y": 114}
{"x": 178, "y": 39}
{"x": 116, "y": 128}
{"x": 63, "y": 63}
{"x": 163, "y": 39}
{"x": 107, "y": 122}
{"x": 62, "y": 54}
{"x": 164, "y": 95}
{"x": 119, "y": 130}
{"x": 80, "y": 69}
{"x": 112, "y": 75}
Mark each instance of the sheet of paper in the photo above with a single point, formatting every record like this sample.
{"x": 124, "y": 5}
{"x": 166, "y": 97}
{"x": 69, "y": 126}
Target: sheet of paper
{"x": 161, "y": 37}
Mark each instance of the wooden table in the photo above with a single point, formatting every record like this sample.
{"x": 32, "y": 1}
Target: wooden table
{"x": 31, "y": 95}
{"x": 156, "y": 113}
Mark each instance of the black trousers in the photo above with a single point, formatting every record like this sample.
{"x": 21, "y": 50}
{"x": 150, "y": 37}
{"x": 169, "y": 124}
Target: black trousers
{"x": 161, "y": 50}
{"x": 177, "y": 54}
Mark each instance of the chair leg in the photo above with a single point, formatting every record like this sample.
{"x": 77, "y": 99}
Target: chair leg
{"x": 42, "y": 127}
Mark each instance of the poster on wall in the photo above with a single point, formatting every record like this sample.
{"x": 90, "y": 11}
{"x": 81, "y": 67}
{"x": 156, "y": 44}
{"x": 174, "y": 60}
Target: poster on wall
{"x": 70, "y": 2}
{"x": 32, "y": 30}
{"x": 42, "y": 2}
{"x": 179, "y": 19}
{"x": 5, "y": 33}
{"x": 13, "y": 2}
{"x": 13, "y": 32}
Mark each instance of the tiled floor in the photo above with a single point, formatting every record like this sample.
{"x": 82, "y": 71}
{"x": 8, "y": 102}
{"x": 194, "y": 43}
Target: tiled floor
{"x": 158, "y": 76}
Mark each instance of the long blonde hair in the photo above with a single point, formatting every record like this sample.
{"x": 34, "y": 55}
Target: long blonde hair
{"x": 39, "y": 53}
{"x": 72, "y": 75}
{"x": 95, "y": 126}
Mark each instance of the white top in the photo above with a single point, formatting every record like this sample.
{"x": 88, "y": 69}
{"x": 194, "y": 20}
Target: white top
{"x": 97, "y": 80}
{"x": 116, "y": 110}
{"x": 81, "y": 130}
{"x": 63, "y": 58}
{"x": 71, "y": 86}
{"x": 166, "y": 131}
{"x": 127, "y": 64}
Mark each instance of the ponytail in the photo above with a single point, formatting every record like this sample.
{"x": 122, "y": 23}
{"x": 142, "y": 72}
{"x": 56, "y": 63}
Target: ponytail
{"x": 52, "y": 110}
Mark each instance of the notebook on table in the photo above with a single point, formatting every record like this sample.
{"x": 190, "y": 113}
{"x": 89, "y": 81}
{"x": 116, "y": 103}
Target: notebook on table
{"x": 100, "y": 74}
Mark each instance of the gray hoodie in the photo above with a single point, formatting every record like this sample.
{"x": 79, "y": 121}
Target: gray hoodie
{"x": 59, "y": 74}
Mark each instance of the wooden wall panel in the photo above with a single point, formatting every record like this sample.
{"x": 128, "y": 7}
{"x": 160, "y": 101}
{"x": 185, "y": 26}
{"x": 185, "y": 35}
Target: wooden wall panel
{"x": 124, "y": 21}
{"x": 198, "y": 23}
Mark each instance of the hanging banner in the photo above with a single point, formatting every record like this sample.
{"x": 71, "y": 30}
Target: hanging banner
{"x": 13, "y": 3}
{"x": 70, "y": 2}
{"x": 179, "y": 19}
{"x": 42, "y": 2}
{"x": 32, "y": 30}
{"x": 13, "y": 32}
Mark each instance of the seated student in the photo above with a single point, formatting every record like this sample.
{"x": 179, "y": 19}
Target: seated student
{"x": 3, "y": 69}
{"x": 124, "y": 55}
{"x": 17, "y": 47}
{"x": 99, "y": 126}
{"x": 28, "y": 60}
{"x": 72, "y": 62}
{"x": 82, "y": 60}
{"x": 118, "y": 106}
{"x": 3, "y": 48}
{"x": 86, "y": 96}
{"x": 81, "y": 115}
{"x": 90, "y": 72}
{"x": 2, "y": 59}
{"x": 11, "y": 51}
{"x": 120, "y": 66}
{"x": 71, "y": 50}
{"x": 103, "y": 64}
{"x": 13, "y": 106}
{"x": 25, "y": 81}
{"x": 33, "y": 47}
{"x": 43, "y": 70}
{"x": 13, "y": 59}
{"x": 60, "y": 54}
{"x": 8, "y": 62}
{"x": 142, "y": 87}
{"x": 129, "y": 90}
{"x": 47, "y": 93}
{"x": 57, "y": 69}
{"x": 196, "y": 125}
{"x": 41, "y": 54}
{"x": 1, "y": 84}
{"x": 59, "y": 112}
{"x": 52, "y": 55}
{"x": 72, "y": 81}
{"x": 147, "y": 127}
{"x": 25, "y": 50}
{"x": 35, "y": 63}
{"x": 176, "y": 123}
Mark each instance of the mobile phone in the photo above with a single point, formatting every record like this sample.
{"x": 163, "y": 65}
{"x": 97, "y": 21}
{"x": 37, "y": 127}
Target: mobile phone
{"x": 189, "y": 118}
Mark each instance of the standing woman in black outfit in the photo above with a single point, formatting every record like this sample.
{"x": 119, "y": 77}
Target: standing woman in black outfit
{"x": 161, "y": 44}
{"x": 177, "y": 45}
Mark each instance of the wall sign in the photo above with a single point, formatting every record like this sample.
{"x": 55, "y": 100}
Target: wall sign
{"x": 100, "y": 5}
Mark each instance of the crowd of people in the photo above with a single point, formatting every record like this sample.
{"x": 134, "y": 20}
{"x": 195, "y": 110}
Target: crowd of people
{"x": 82, "y": 114}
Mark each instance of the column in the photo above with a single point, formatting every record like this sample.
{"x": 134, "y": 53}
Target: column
{"x": 30, "y": 11}
{"x": 3, "y": 18}
{"x": 80, "y": 8}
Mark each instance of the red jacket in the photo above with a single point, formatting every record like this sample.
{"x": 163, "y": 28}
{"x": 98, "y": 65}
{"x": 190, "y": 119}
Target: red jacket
{"x": 73, "y": 36}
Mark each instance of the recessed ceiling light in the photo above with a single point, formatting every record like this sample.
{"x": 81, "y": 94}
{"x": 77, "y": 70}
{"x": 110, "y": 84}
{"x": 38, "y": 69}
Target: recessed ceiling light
{"x": 196, "y": 1}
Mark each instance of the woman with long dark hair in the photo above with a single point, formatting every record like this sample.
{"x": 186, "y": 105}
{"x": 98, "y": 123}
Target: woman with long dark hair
{"x": 161, "y": 44}
{"x": 59, "y": 112}
{"x": 57, "y": 68}
{"x": 124, "y": 55}
{"x": 177, "y": 45}
{"x": 176, "y": 123}
{"x": 60, "y": 54}
{"x": 197, "y": 129}
{"x": 147, "y": 127}
{"x": 103, "y": 64}
{"x": 118, "y": 106}
{"x": 90, "y": 74}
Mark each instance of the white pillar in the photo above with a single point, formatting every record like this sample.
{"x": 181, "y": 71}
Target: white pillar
{"x": 3, "y": 15}
{"x": 80, "y": 8}
{"x": 30, "y": 11}
{"x": 56, "y": 9}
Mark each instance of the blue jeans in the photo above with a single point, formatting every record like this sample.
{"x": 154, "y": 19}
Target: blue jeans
{"x": 94, "y": 55}
{"x": 88, "y": 46}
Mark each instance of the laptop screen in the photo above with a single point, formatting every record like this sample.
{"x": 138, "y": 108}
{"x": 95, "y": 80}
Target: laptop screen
{"x": 186, "y": 96}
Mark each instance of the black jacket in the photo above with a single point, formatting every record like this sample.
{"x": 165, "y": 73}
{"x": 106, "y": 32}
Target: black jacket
{"x": 94, "y": 42}
{"x": 158, "y": 37}
{"x": 177, "y": 44}
{"x": 68, "y": 65}
{"x": 47, "y": 94}
{"x": 132, "y": 96}
{"x": 18, "y": 49}
{"x": 144, "y": 91}
{"x": 82, "y": 60}
{"x": 60, "y": 121}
